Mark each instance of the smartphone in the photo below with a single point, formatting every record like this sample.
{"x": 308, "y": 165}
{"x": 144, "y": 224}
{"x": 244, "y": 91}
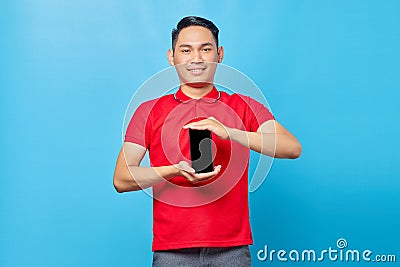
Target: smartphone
{"x": 200, "y": 150}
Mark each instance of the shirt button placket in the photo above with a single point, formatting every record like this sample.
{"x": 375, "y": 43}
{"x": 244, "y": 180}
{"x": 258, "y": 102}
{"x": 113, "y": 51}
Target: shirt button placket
{"x": 195, "y": 109}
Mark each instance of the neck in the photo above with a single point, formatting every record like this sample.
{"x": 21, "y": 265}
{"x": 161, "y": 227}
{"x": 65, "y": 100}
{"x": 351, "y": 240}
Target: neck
{"x": 196, "y": 92}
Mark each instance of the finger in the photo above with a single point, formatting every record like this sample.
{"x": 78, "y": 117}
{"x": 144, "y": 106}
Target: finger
{"x": 202, "y": 122}
{"x": 188, "y": 176}
{"x": 184, "y": 166}
{"x": 206, "y": 175}
{"x": 194, "y": 178}
{"x": 192, "y": 125}
{"x": 202, "y": 177}
{"x": 196, "y": 181}
{"x": 200, "y": 127}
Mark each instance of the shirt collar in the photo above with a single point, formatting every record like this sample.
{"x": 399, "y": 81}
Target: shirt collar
{"x": 213, "y": 94}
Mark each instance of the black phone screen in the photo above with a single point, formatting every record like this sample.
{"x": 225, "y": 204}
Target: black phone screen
{"x": 200, "y": 150}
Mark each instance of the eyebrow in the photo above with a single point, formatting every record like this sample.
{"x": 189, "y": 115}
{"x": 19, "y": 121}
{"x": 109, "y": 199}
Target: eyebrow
{"x": 202, "y": 45}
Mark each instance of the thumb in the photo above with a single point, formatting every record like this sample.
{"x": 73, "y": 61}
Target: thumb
{"x": 184, "y": 166}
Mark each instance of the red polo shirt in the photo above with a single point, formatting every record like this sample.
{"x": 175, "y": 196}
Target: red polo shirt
{"x": 208, "y": 214}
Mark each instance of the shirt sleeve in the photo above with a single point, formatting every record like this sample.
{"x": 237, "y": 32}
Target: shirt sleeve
{"x": 138, "y": 131}
{"x": 258, "y": 114}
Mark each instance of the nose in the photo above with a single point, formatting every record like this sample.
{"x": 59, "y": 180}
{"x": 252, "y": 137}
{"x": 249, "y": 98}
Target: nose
{"x": 197, "y": 57}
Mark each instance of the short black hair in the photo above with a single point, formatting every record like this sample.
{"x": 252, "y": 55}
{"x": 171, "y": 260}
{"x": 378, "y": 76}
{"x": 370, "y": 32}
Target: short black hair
{"x": 194, "y": 21}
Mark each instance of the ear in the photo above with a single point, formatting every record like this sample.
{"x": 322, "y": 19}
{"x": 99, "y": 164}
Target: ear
{"x": 170, "y": 57}
{"x": 220, "y": 54}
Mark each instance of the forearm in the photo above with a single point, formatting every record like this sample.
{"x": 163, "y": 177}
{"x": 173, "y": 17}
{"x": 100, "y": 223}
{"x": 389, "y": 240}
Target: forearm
{"x": 278, "y": 145}
{"x": 133, "y": 178}
{"x": 147, "y": 176}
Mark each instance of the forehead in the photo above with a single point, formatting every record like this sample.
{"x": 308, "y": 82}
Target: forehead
{"x": 195, "y": 35}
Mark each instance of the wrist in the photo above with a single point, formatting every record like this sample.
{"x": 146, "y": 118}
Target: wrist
{"x": 172, "y": 171}
{"x": 167, "y": 172}
{"x": 232, "y": 133}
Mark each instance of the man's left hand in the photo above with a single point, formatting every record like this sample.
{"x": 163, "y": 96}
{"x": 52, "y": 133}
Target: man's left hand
{"x": 211, "y": 124}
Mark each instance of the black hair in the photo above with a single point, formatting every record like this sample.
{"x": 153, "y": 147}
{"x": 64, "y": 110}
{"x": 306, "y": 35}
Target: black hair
{"x": 194, "y": 21}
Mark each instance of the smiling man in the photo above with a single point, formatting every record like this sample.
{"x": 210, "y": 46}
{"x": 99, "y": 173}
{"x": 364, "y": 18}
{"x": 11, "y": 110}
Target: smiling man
{"x": 199, "y": 219}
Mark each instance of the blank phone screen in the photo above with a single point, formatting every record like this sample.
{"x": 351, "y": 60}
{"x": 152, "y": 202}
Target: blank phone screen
{"x": 200, "y": 150}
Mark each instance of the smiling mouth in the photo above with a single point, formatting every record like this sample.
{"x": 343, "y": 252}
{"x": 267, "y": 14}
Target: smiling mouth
{"x": 198, "y": 71}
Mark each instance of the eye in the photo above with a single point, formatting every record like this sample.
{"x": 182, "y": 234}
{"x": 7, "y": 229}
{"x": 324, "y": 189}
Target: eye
{"x": 185, "y": 51}
{"x": 206, "y": 49}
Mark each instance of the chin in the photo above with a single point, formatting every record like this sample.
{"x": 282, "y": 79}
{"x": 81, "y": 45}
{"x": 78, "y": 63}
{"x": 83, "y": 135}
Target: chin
{"x": 197, "y": 84}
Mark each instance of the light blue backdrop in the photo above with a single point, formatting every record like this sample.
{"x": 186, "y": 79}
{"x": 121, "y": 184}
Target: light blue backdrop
{"x": 329, "y": 69}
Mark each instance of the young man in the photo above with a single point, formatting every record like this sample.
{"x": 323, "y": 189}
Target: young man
{"x": 199, "y": 218}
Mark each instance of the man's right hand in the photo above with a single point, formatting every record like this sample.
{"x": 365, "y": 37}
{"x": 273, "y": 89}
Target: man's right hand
{"x": 130, "y": 176}
{"x": 189, "y": 173}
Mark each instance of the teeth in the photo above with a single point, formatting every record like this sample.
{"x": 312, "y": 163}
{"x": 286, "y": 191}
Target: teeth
{"x": 196, "y": 71}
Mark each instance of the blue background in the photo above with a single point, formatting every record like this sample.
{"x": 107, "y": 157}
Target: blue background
{"x": 329, "y": 69}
